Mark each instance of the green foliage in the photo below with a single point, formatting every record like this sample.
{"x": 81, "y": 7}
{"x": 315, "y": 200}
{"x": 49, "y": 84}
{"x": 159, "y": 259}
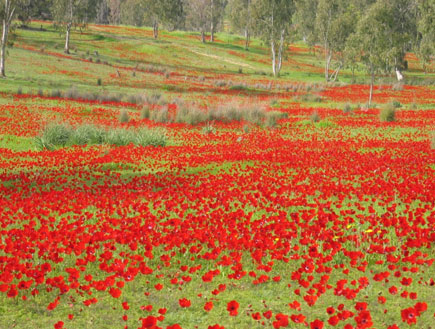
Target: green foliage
{"x": 396, "y": 104}
{"x": 87, "y": 135}
{"x": 273, "y": 117}
{"x": 190, "y": 115}
{"x": 154, "y": 137}
{"x": 388, "y": 113}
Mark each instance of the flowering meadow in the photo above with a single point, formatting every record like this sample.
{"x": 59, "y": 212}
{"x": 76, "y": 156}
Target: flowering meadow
{"x": 304, "y": 224}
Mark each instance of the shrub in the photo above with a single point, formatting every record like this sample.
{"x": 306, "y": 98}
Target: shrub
{"x": 388, "y": 113}
{"x": 347, "y": 108}
{"x": 315, "y": 117}
{"x": 145, "y": 112}
{"x": 19, "y": 90}
{"x": 239, "y": 87}
{"x": 124, "y": 117}
{"x": 99, "y": 82}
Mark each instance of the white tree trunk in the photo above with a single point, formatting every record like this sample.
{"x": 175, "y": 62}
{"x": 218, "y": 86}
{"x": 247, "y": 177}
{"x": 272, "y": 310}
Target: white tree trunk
{"x": 212, "y": 21}
{"x": 68, "y": 31}
{"x": 247, "y": 37}
{"x": 3, "y": 48}
{"x": 272, "y": 44}
{"x": 155, "y": 29}
{"x": 280, "y": 51}
{"x": 372, "y": 82}
{"x": 7, "y": 19}
{"x": 328, "y": 58}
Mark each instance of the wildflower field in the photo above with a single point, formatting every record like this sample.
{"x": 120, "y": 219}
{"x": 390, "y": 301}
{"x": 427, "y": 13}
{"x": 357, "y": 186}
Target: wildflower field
{"x": 284, "y": 221}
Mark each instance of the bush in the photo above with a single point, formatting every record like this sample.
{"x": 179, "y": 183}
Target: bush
{"x": 388, "y": 113}
{"x": 99, "y": 82}
{"x": 123, "y": 117}
{"x": 19, "y": 90}
{"x": 315, "y": 117}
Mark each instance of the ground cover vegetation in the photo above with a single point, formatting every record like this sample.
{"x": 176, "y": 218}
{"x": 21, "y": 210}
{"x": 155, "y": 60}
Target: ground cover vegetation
{"x": 189, "y": 169}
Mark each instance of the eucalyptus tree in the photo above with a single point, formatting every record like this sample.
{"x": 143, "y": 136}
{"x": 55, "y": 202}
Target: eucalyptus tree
{"x": 240, "y": 16}
{"x": 272, "y": 22}
{"x": 333, "y": 24}
{"x": 8, "y": 9}
{"x": 68, "y": 13}
{"x": 166, "y": 12}
{"x": 375, "y": 40}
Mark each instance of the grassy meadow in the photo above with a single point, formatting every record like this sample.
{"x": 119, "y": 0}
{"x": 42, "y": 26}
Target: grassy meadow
{"x": 173, "y": 184}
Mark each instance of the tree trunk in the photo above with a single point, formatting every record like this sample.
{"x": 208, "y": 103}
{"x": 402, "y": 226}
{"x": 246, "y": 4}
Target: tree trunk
{"x": 272, "y": 44}
{"x": 328, "y": 58}
{"x": 212, "y": 21}
{"x": 202, "y": 36}
{"x": 7, "y": 19}
{"x": 156, "y": 30}
{"x": 3, "y": 48}
{"x": 280, "y": 51}
{"x": 247, "y": 38}
{"x": 372, "y": 81}
{"x": 68, "y": 31}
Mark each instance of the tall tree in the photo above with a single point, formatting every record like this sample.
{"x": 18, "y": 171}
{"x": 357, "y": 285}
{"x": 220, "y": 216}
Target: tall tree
{"x": 217, "y": 9}
{"x": 166, "y": 12}
{"x": 68, "y": 13}
{"x": 305, "y": 19}
{"x": 375, "y": 40}
{"x": 426, "y": 31}
{"x": 333, "y": 25}
{"x": 272, "y": 21}
{"x": 7, "y": 10}
{"x": 240, "y": 16}
{"x": 198, "y": 16}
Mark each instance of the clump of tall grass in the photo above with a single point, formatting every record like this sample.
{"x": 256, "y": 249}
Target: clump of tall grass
{"x": 124, "y": 117}
{"x": 388, "y": 113}
{"x": 315, "y": 117}
{"x": 61, "y": 135}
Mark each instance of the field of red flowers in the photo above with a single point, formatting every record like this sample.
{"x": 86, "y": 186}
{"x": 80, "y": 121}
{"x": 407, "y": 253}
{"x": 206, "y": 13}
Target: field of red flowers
{"x": 304, "y": 225}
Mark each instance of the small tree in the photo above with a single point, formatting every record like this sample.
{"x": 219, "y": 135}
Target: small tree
{"x": 217, "y": 8}
{"x": 272, "y": 22}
